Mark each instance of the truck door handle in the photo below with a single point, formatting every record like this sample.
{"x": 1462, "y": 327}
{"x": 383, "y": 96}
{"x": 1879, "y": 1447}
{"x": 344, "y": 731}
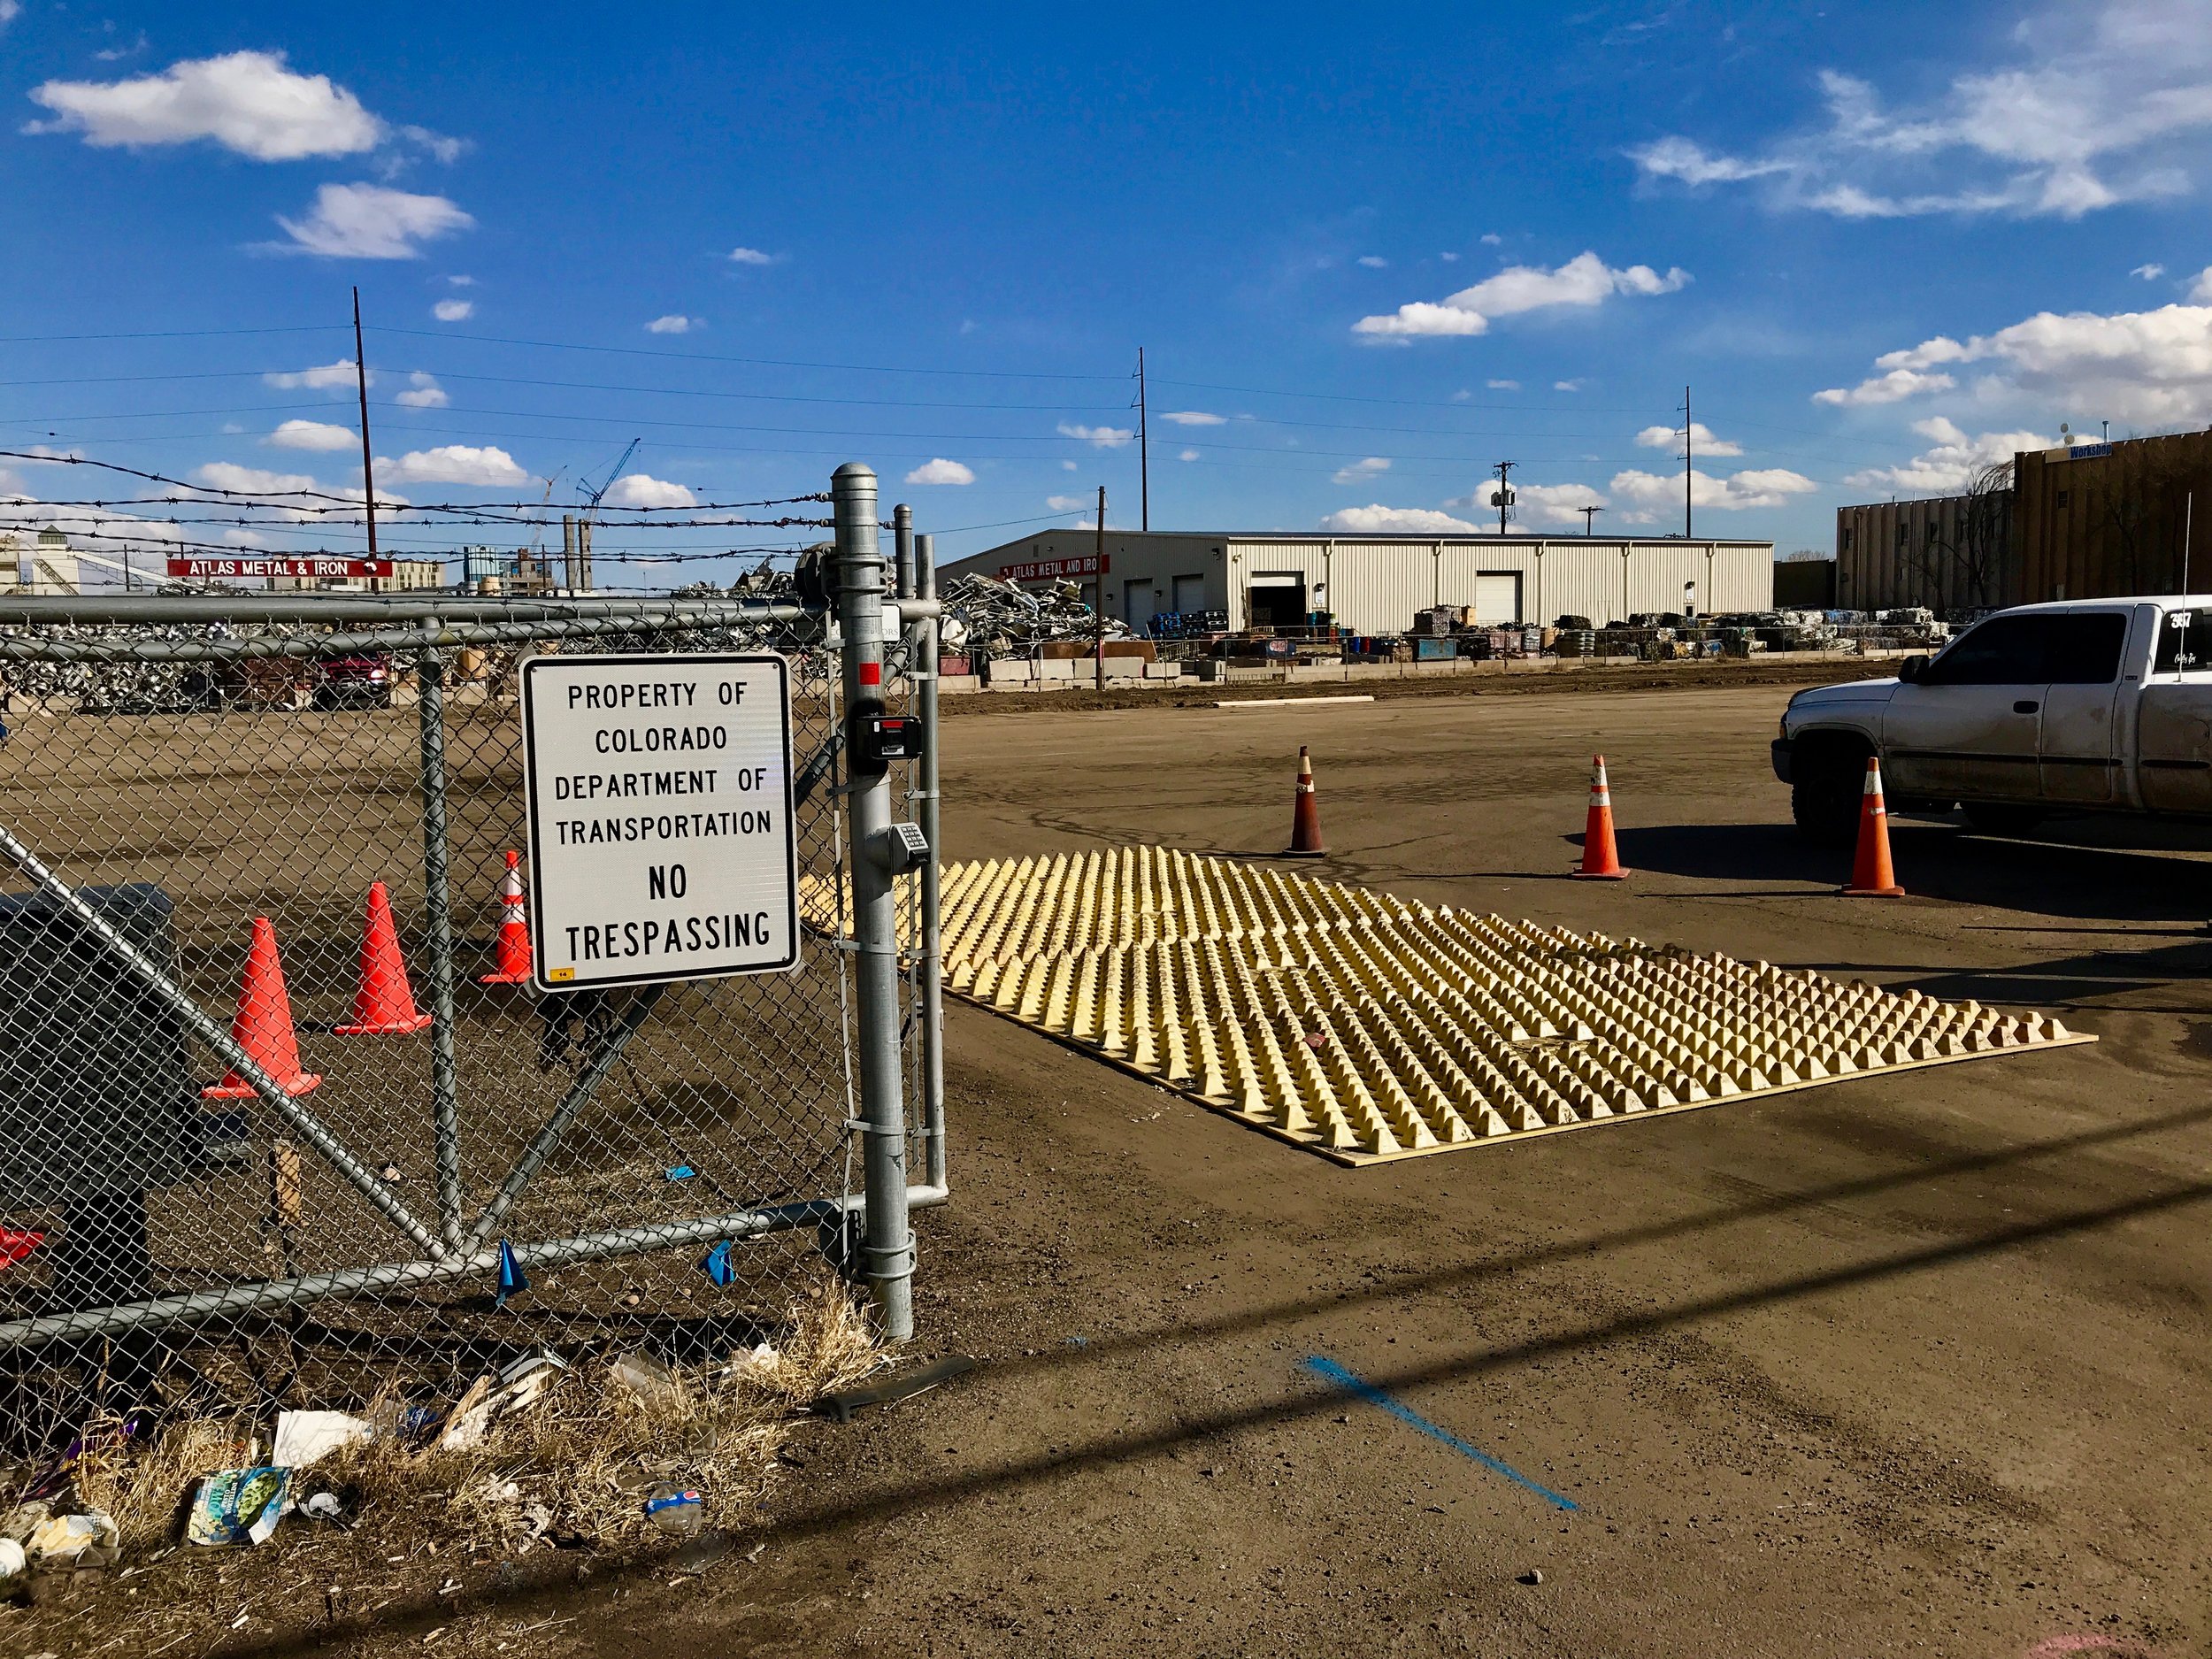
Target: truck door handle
{"x": 2024, "y": 706}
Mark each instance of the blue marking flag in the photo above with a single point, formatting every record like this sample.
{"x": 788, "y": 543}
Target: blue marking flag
{"x": 719, "y": 1266}
{"x": 1333, "y": 1372}
{"x": 512, "y": 1279}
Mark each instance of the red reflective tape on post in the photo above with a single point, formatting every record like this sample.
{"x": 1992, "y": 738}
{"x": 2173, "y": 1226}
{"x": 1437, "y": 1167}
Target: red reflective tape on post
{"x": 872, "y": 674}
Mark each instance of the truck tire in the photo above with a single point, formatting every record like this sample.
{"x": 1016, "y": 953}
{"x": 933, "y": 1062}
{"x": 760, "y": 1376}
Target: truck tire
{"x": 1988, "y": 819}
{"x": 1826, "y": 780}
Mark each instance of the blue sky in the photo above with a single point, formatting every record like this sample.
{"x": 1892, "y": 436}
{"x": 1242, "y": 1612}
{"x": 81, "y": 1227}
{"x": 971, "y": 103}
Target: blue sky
{"x": 1367, "y": 254}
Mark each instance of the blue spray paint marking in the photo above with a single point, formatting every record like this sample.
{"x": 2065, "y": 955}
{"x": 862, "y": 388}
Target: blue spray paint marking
{"x": 1333, "y": 1372}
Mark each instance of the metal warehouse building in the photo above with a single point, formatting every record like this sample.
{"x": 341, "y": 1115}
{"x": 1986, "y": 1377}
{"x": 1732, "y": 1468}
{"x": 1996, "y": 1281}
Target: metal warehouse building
{"x": 1374, "y": 584}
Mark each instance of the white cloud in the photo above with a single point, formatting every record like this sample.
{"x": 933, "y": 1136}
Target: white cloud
{"x": 319, "y": 379}
{"x": 1449, "y": 258}
{"x": 245, "y": 538}
{"x": 1680, "y": 158}
{"x": 1067, "y": 466}
{"x": 1066, "y": 504}
{"x": 1536, "y": 503}
{"x": 1187, "y": 454}
{"x": 1495, "y": 386}
{"x": 1099, "y": 437}
{"x": 372, "y": 221}
{"x": 454, "y": 311}
{"x": 1702, "y": 436}
{"x": 2147, "y": 368}
{"x": 313, "y": 434}
{"x": 1360, "y": 472}
{"x": 1374, "y": 262}
{"x": 1491, "y": 239}
{"x": 1583, "y": 280}
{"x": 1892, "y": 387}
{"x": 1555, "y": 503}
{"x": 751, "y": 255}
{"x": 941, "y": 471}
{"x": 453, "y": 463}
{"x": 462, "y": 282}
{"x": 1377, "y": 520}
{"x": 1756, "y": 486}
{"x": 249, "y": 102}
{"x": 1193, "y": 418}
{"x": 2090, "y": 104}
{"x": 674, "y": 323}
{"x": 1568, "y": 386}
{"x": 639, "y": 489}
{"x": 442, "y": 149}
{"x": 255, "y": 480}
{"x": 2200, "y": 290}
{"x": 252, "y": 480}
{"x": 9, "y": 10}
{"x": 2148, "y": 272}
{"x": 1952, "y": 464}
{"x": 423, "y": 392}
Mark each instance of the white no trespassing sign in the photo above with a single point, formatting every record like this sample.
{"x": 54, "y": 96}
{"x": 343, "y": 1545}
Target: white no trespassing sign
{"x": 662, "y": 845}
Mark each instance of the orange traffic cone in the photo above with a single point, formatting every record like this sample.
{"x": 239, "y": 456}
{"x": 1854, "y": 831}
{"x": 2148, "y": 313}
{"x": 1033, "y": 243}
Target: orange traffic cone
{"x": 514, "y": 929}
{"x": 1305, "y": 817}
{"x": 263, "y": 1024}
{"x": 384, "y": 1006}
{"x": 1601, "y": 859}
{"x": 1872, "y": 877}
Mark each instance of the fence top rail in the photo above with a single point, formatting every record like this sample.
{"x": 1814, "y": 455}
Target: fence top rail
{"x": 169, "y": 609}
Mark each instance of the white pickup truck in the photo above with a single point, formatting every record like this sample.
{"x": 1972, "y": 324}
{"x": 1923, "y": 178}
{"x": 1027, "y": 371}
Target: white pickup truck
{"x": 2088, "y": 706}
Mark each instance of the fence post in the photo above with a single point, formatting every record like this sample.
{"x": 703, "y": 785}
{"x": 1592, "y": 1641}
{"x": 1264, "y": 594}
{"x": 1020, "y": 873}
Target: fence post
{"x": 903, "y": 549}
{"x": 445, "y": 1115}
{"x": 887, "y": 1243}
{"x": 933, "y": 962}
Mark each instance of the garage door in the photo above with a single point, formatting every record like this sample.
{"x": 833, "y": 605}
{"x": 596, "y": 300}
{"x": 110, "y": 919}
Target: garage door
{"x": 1498, "y": 599}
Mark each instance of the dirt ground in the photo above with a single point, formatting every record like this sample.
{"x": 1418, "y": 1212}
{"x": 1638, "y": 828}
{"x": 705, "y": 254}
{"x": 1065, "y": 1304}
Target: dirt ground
{"x": 1915, "y": 1363}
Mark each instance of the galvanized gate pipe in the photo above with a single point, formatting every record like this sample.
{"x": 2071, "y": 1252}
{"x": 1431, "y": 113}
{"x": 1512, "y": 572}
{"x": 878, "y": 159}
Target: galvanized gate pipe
{"x": 903, "y": 551}
{"x": 924, "y": 675}
{"x": 887, "y": 1242}
{"x": 445, "y": 1112}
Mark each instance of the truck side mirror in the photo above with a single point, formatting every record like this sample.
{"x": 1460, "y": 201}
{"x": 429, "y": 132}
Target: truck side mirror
{"x": 1911, "y": 669}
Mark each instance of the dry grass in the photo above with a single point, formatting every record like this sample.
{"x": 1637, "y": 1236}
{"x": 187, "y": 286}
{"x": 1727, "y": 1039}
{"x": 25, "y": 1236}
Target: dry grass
{"x": 580, "y": 1463}
{"x": 141, "y": 1490}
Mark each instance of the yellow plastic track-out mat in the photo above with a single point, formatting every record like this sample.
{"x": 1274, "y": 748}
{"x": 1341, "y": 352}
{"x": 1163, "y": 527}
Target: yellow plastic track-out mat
{"x": 1370, "y": 1028}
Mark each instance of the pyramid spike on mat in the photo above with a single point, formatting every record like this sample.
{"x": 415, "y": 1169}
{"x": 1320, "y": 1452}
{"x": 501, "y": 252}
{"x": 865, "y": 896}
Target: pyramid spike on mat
{"x": 262, "y": 1024}
{"x": 384, "y": 1005}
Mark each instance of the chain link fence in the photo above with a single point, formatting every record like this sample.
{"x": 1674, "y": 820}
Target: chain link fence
{"x": 209, "y": 802}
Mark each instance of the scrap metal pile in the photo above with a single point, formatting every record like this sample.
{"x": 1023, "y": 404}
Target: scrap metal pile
{"x": 990, "y": 618}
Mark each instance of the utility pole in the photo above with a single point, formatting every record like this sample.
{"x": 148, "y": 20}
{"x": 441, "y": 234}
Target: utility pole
{"x": 1589, "y": 519}
{"x": 1144, "y": 452}
{"x": 1502, "y": 497}
{"x": 1098, "y": 616}
{"x": 368, "y": 463}
{"x": 1688, "y": 470}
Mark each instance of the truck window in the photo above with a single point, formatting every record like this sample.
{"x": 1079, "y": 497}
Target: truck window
{"x": 2083, "y": 650}
{"x": 2002, "y": 651}
{"x": 2196, "y": 642}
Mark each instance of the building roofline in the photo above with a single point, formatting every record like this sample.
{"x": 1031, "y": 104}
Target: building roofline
{"x": 1476, "y": 537}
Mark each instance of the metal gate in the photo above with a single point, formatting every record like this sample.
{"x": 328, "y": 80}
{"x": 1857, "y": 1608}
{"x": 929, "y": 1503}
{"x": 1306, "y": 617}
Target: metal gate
{"x": 186, "y": 784}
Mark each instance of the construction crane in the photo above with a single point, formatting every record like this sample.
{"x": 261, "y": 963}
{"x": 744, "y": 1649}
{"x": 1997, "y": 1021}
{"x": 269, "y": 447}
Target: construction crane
{"x": 577, "y": 541}
{"x": 591, "y": 497}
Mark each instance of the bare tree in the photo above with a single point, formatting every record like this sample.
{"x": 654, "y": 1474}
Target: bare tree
{"x": 1967, "y": 570}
